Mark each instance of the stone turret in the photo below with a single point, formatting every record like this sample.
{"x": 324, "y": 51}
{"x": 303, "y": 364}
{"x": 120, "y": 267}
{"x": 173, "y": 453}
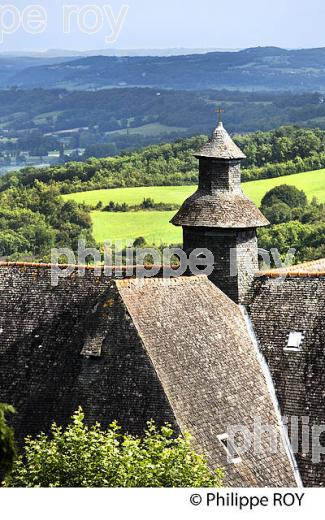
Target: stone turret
{"x": 221, "y": 218}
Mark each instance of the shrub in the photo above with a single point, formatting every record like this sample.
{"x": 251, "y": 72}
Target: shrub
{"x": 7, "y": 442}
{"x": 82, "y": 456}
{"x": 289, "y": 195}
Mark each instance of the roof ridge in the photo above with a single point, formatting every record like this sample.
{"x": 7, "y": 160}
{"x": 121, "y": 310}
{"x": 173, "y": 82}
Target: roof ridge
{"x": 84, "y": 266}
{"x": 273, "y": 273}
{"x": 163, "y": 281}
{"x": 301, "y": 269}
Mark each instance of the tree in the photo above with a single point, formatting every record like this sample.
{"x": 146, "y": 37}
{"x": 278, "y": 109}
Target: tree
{"x": 139, "y": 242}
{"x": 290, "y": 195}
{"x": 307, "y": 239}
{"x": 7, "y": 441}
{"x": 147, "y": 203}
{"x": 278, "y": 213}
{"x": 12, "y": 242}
{"x": 40, "y": 220}
{"x": 82, "y": 456}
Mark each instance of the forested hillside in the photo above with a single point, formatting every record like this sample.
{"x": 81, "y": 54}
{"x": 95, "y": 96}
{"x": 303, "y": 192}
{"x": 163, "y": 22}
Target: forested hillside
{"x": 112, "y": 120}
{"x": 34, "y": 220}
{"x": 34, "y": 217}
{"x": 269, "y": 154}
{"x": 257, "y": 68}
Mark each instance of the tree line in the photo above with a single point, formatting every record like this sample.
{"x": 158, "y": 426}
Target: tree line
{"x": 284, "y": 151}
{"x": 34, "y": 217}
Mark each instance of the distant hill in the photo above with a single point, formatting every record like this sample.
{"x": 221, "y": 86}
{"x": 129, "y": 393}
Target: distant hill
{"x": 258, "y": 68}
{"x": 108, "y": 121}
{"x": 10, "y": 66}
{"x": 59, "y": 53}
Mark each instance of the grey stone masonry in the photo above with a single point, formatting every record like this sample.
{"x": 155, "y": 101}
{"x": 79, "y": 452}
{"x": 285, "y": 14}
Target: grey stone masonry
{"x": 218, "y": 175}
{"x": 219, "y": 217}
{"x": 235, "y": 257}
{"x": 71, "y": 345}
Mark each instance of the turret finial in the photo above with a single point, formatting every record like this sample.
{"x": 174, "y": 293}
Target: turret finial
{"x": 220, "y": 111}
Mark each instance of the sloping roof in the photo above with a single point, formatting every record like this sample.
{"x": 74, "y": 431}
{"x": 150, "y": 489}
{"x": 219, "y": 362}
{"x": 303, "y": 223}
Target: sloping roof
{"x": 132, "y": 350}
{"x": 305, "y": 269}
{"x": 71, "y": 345}
{"x": 221, "y": 210}
{"x": 198, "y": 343}
{"x": 221, "y": 146}
{"x": 295, "y": 304}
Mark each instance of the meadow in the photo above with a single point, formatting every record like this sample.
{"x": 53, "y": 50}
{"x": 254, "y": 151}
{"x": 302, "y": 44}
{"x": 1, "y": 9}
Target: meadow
{"x": 154, "y": 226}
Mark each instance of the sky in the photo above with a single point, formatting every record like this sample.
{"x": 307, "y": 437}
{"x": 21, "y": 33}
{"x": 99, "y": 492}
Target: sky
{"x": 154, "y": 24}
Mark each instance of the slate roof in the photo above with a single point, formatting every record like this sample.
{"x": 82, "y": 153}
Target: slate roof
{"x": 220, "y": 210}
{"x": 198, "y": 342}
{"x": 220, "y": 207}
{"x": 308, "y": 269}
{"x": 295, "y": 303}
{"x": 176, "y": 351}
{"x": 221, "y": 146}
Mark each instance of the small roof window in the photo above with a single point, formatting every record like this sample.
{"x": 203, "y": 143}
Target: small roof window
{"x": 294, "y": 342}
{"x": 230, "y": 448}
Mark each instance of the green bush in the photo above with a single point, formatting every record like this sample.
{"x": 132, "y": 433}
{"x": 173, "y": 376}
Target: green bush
{"x": 307, "y": 239}
{"x": 7, "y": 442}
{"x": 278, "y": 213}
{"x": 286, "y": 194}
{"x": 82, "y": 456}
{"x": 296, "y": 224}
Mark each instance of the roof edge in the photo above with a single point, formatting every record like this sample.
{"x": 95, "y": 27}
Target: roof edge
{"x": 313, "y": 268}
{"x": 40, "y": 265}
{"x": 290, "y": 274}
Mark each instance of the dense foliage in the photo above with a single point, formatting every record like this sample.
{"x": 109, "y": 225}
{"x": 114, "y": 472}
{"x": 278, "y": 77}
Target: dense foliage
{"x": 307, "y": 239}
{"x": 7, "y": 441}
{"x": 33, "y": 217}
{"x": 34, "y": 220}
{"x": 82, "y": 456}
{"x": 269, "y": 154}
{"x": 289, "y": 195}
{"x": 110, "y": 121}
{"x": 296, "y": 224}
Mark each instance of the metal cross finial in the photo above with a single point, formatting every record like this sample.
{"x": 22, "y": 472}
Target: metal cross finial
{"x": 220, "y": 111}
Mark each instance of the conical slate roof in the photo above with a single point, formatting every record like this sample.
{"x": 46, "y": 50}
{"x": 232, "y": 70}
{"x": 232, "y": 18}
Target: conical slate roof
{"x": 220, "y": 207}
{"x": 220, "y": 210}
{"x": 221, "y": 146}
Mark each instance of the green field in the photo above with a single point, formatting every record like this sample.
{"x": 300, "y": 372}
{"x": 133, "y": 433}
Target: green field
{"x": 154, "y": 225}
{"x": 152, "y": 129}
{"x": 134, "y": 196}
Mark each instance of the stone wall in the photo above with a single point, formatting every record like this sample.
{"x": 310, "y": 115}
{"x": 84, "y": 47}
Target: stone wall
{"x": 230, "y": 247}
{"x": 218, "y": 175}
